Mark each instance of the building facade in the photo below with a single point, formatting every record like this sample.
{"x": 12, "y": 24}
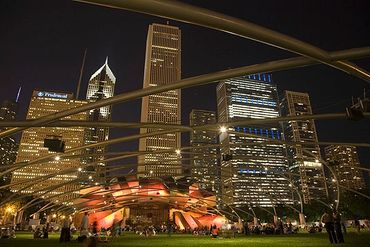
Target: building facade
{"x": 8, "y": 145}
{"x": 303, "y": 158}
{"x": 8, "y": 110}
{"x": 205, "y": 167}
{"x": 101, "y": 86}
{"x": 162, "y": 67}
{"x": 344, "y": 160}
{"x": 32, "y": 147}
{"x": 255, "y": 174}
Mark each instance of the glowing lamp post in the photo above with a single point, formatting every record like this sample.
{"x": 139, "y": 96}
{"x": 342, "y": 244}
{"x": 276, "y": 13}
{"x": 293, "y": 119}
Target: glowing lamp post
{"x": 223, "y": 129}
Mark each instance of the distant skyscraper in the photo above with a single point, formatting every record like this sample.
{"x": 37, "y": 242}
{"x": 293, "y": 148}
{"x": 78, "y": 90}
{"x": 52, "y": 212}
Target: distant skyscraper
{"x": 162, "y": 67}
{"x": 254, "y": 174}
{"x": 312, "y": 179}
{"x": 32, "y": 146}
{"x": 8, "y": 154}
{"x": 8, "y": 145}
{"x": 8, "y": 110}
{"x": 205, "y": 167}
{"x": 101, "y": 86}
{"x": 344, "y": 160}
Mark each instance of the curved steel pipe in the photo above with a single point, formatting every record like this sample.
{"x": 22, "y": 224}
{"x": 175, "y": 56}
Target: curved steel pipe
{"x": 67, "y": 123}
{"x": 199, "y": 16}
{"x": 189, "y": 82}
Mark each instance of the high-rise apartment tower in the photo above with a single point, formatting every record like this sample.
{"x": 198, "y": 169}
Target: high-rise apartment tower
{"x": 303, "y": 158}
{"x": 344, "y": 161}
{"x": 8, "y": 145}
{"x": 205, "y": 167}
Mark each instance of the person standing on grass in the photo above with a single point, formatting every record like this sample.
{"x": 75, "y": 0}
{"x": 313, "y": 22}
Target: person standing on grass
{"x": 65, "y": 234}
{"x": 328, "y": 220}
{"x": 338, "y": 226}
{"x": 45, "y": 230}
{"x": 357, "y": 225}
{"x": 85, "y": 222}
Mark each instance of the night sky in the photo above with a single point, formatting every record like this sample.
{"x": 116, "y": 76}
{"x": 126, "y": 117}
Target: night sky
{"x": 42, "y": 45}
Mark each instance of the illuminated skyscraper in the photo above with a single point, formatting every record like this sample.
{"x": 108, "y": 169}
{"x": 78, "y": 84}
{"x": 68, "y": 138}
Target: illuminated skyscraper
{"x": 8, "y": 145}
{"x": 101, "y": 86}
{"x": 8, "y": 110}
{"x": 311, "y": 179}
{"x": 205, "y": 167}
{"x": 254, "y": 174}
{"x": 32, "y": 147}
{"x": 162, "y": 67}
{"x": 344, "y": 160}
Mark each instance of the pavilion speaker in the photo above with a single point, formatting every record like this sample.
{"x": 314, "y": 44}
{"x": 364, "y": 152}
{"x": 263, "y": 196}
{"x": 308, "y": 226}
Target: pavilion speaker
{"x": 354, "y": 113}
{"x": 365, "y": 105}
{"x": 227, "y": 157}
{"x": 54, "y": 143}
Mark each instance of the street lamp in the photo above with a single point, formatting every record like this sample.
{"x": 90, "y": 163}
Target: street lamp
{"x": 223, "y": 129}
{"x": 178, "y": 151}
{"x": 9, "y": 209}
{"x": 57, "y": 158}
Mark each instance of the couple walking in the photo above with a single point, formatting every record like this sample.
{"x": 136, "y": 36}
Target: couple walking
{"x": 333, "y": 226}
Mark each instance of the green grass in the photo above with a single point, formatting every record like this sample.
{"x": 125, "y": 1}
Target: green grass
{"x": 185, "y": 240}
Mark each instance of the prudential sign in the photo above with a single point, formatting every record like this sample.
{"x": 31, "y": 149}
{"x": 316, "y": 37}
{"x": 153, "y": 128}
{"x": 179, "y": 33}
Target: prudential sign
{"x": 52, "y": 95}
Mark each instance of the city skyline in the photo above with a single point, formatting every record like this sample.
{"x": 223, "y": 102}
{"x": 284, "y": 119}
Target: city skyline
{"x": 212, "y": 118}
{"x": 298, "y": 80}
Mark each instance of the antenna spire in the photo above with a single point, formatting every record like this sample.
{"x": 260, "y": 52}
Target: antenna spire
{"x": 19, "y": 92}
{"x": 81, "y": 72}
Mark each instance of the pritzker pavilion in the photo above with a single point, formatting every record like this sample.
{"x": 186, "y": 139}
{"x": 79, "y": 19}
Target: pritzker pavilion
{"x": 247, "y": 161}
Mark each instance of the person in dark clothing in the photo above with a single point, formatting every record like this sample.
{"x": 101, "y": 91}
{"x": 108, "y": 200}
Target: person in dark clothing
{"x": 95, "y": 228}
{"x": 328, "y": 220}
{"x": 338, "y": 226}
{"x": 65, "y": 234}
{"x": 357, "y": 225}
{"x": 246, "y": 228}
{"x": 45, "y": 231}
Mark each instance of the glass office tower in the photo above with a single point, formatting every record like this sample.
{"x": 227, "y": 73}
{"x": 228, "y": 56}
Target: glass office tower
{"x": 255, "y": 174}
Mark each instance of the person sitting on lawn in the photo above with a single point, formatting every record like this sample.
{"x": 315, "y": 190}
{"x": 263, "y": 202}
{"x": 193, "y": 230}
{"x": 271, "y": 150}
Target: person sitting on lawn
{"x": 214, "y": 232}
{"x": 37, "y": 234}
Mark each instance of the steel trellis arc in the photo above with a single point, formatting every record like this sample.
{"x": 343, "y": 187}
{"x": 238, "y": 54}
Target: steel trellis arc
{"x": 277, "y": 65}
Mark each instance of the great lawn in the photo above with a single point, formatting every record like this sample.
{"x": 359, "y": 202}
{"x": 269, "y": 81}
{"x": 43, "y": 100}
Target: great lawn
{"x": 185, "y": 240}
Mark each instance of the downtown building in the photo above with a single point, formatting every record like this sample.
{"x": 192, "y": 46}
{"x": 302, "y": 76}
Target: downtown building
{"x": 25, "y": 180}
{"x": 344, "y": 161}
{"x": 8, "y": 145}
{"x": 303, "y": 157}
{"x": 205, "y": 165}
{"x": 101, "y": 86}
{"x": 255, "y": 174}
{"x": 162, "y": 67}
